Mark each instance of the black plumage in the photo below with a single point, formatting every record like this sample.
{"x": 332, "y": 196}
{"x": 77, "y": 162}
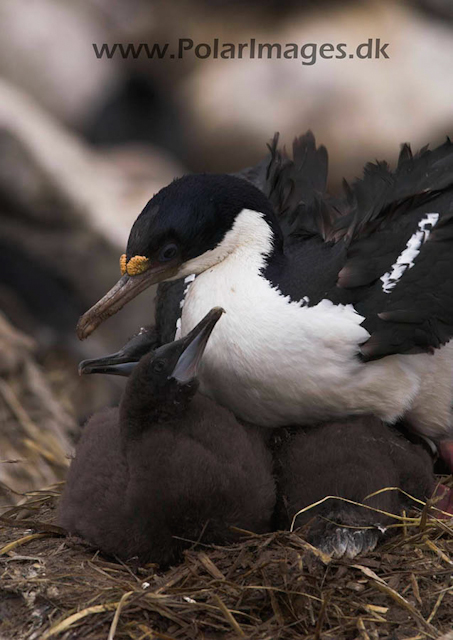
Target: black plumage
{"x": 168, "y": 468}
{"x": 349, "y": 459}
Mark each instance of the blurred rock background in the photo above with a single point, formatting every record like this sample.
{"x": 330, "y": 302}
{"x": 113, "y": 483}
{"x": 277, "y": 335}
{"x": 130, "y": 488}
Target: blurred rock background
{"x": 85, "y": 142}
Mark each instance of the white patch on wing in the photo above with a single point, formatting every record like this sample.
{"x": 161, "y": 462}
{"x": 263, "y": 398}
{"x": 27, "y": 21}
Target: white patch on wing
{"x": 406, "y": 259}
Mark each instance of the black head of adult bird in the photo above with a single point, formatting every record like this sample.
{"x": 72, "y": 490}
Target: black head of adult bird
{"x": 169, "y": 467}
{"x": 334, "y": 307}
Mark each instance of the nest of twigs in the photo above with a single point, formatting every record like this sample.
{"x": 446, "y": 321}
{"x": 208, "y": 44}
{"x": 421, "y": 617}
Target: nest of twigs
{"x": 273, "y": 586}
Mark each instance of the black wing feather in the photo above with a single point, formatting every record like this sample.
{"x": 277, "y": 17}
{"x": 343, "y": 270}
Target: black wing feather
{"x": 381, "y": 212}
{"x": 294, "y": 185}
{"x": 381, "y": 193}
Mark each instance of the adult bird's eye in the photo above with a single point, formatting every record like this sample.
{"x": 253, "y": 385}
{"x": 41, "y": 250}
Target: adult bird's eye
{"x": 168, "y": 252}
{"x": 158, "y": 366}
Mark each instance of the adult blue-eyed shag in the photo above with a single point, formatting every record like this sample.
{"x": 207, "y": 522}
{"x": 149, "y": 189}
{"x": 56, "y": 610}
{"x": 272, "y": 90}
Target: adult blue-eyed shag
{"x": 169, "y": 467}
{"x": 335, "y": 307}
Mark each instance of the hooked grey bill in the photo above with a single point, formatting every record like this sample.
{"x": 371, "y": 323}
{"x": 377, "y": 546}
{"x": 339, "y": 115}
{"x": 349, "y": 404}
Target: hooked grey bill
{"x": 118, "y": 369}
{"x": 111, "y": 364}
{"x": 123, "y": 362}
{"x": 125, "y": 290}
{"x": 132, "y": 351}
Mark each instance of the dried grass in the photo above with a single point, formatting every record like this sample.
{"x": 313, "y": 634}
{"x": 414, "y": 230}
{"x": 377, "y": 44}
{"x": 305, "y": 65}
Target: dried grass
{"x": 267, "y": 587}
{"x": 36, "y": 429}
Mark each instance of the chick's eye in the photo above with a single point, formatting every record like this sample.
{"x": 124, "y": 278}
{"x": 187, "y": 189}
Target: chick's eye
{"x": 168, "y": 252}
{"x": 158, "y": 366}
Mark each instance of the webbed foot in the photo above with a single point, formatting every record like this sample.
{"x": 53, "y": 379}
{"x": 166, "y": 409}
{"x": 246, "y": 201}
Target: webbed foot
{"x": 343, "y": 541}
